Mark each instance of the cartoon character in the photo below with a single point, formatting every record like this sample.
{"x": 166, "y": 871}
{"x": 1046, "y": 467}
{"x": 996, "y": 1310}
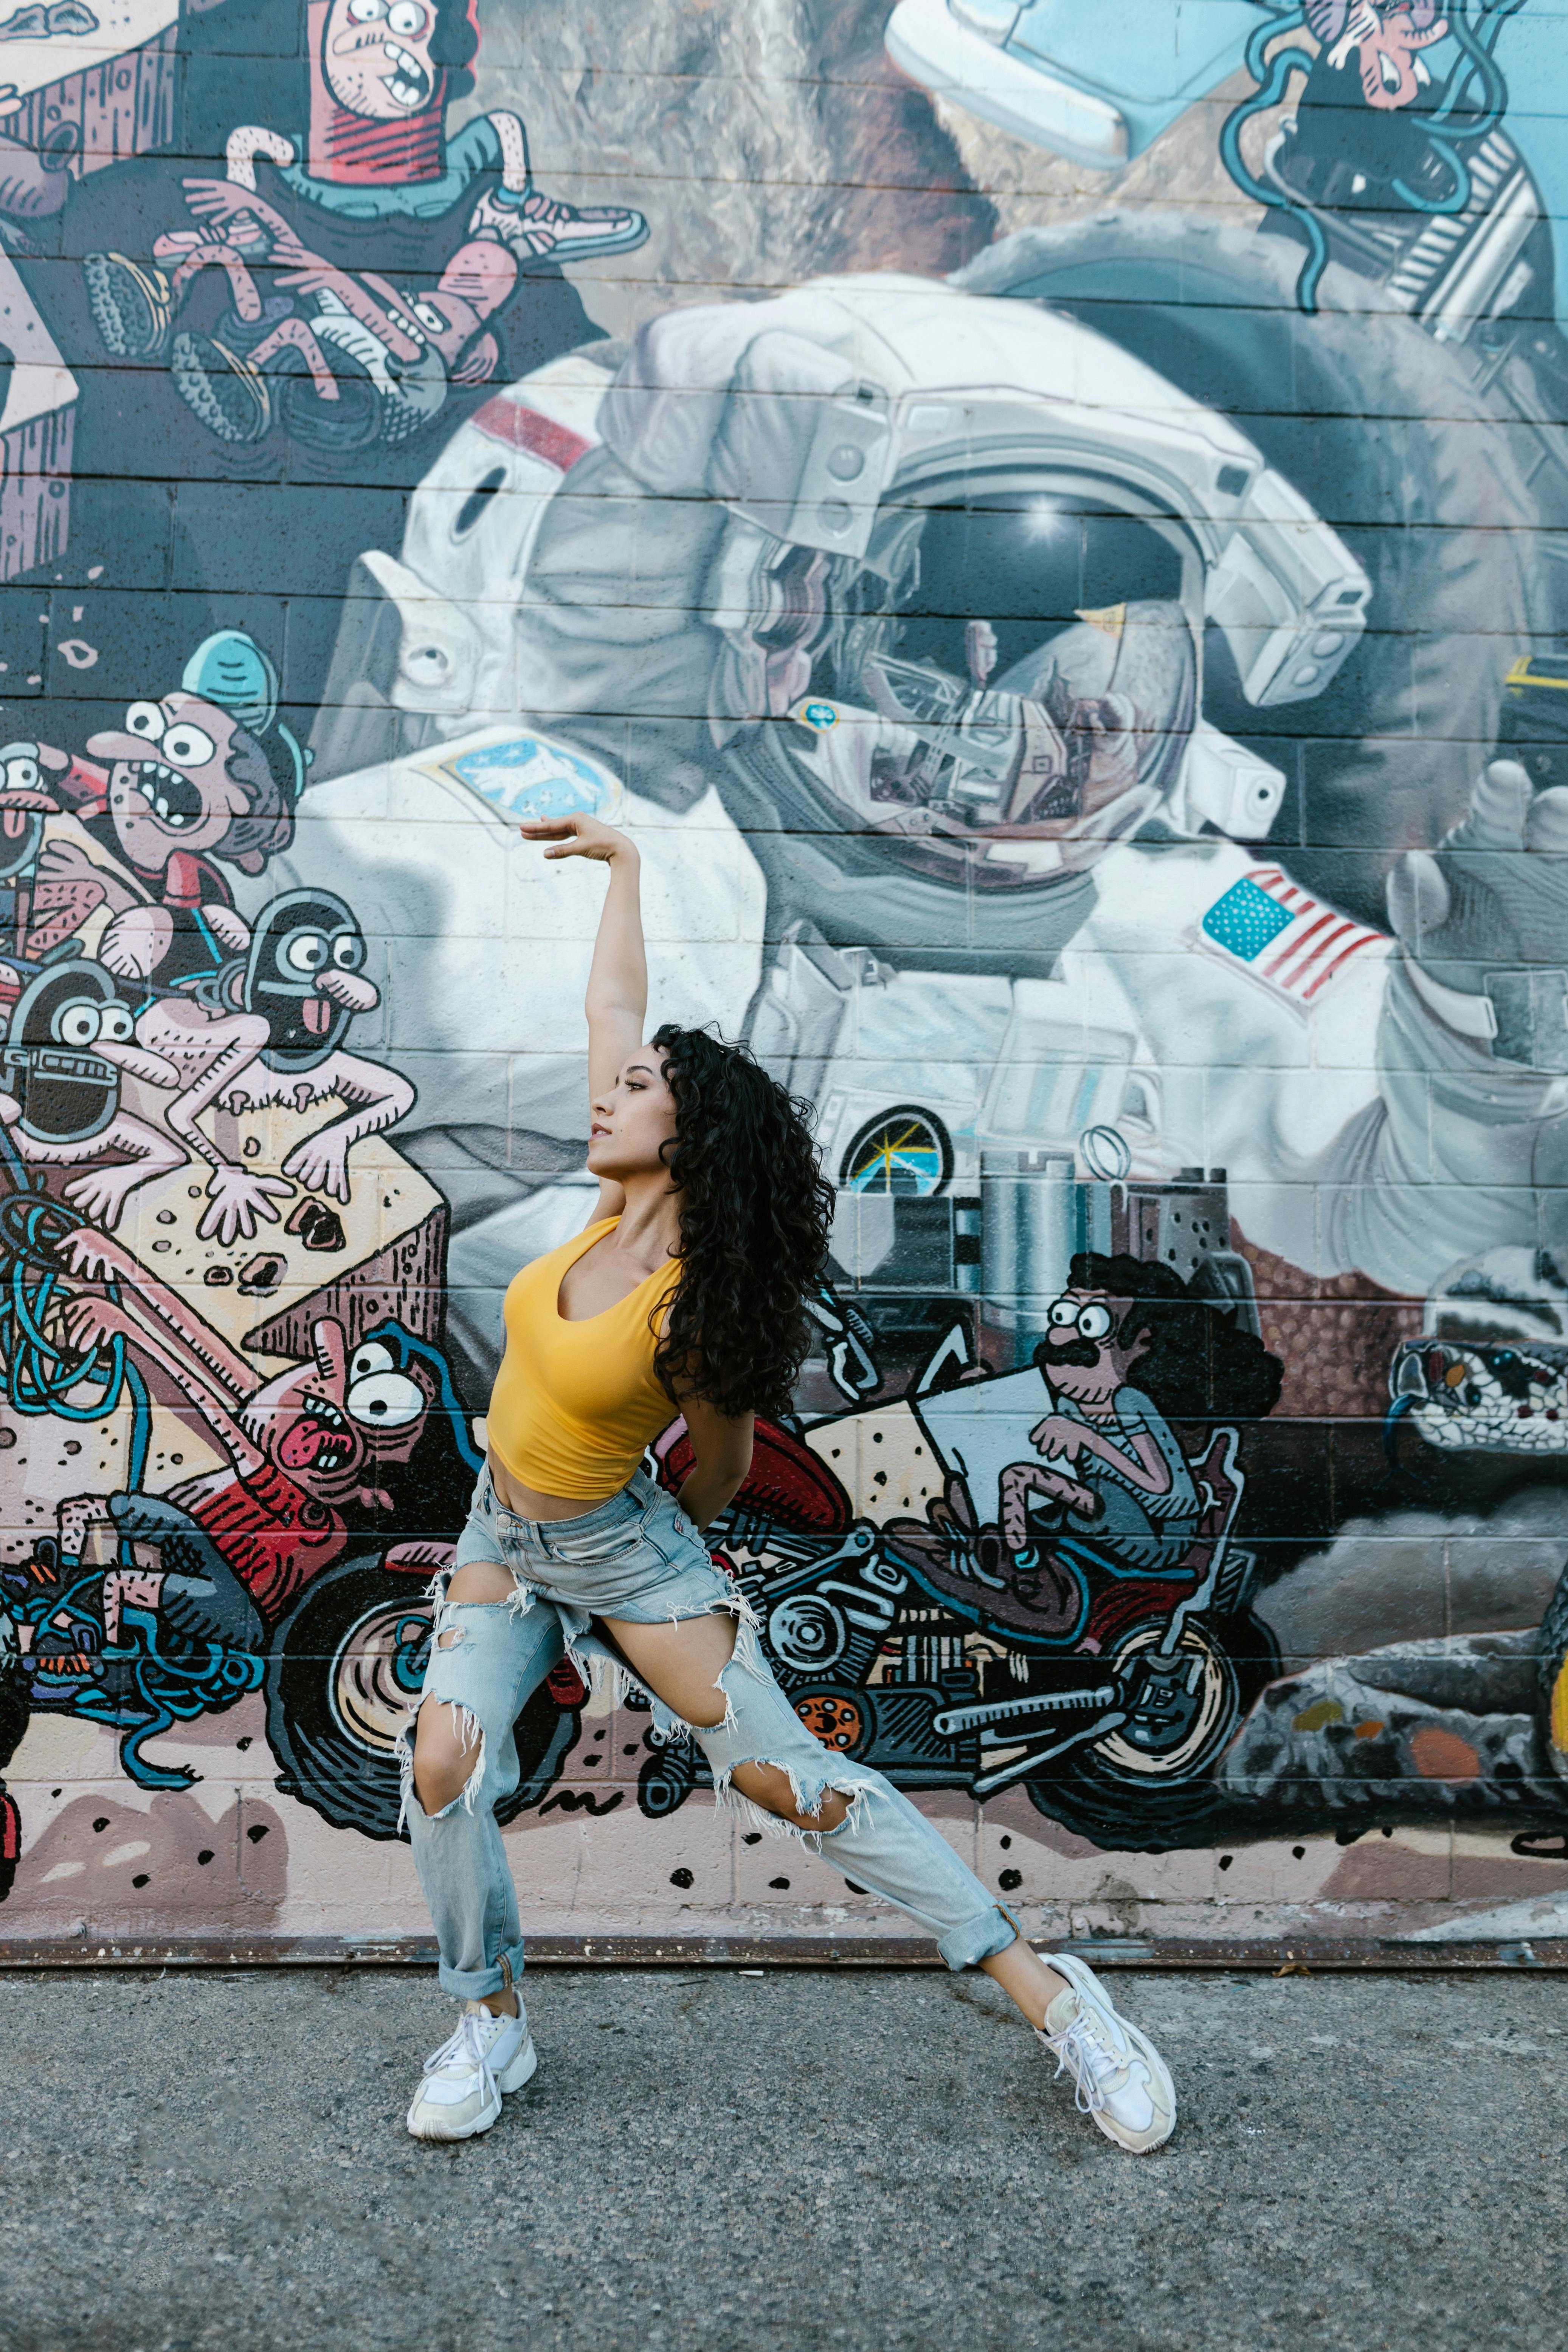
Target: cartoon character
{"x": 69, "y": 1043}
{"x": 203, "y": 777}
{"x": 348, "y": 1442}
{"x": 1129, "y": 1347}
{"x": 1387, "y": 38}
{"x": 309, "y": 339}
{"x": 268, "y": 1027}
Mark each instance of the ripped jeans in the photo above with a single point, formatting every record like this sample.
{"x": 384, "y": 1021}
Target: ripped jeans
{"x": 638, "y": 1556}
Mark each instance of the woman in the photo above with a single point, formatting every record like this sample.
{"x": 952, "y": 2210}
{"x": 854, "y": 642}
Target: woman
{"x": 684, "y": 1291}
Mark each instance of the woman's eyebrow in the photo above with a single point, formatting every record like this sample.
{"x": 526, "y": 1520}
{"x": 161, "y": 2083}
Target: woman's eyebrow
{"x": 644, "y": 1070}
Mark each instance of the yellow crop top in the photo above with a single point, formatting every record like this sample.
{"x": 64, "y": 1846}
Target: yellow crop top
{"x": 576, "y": 1403}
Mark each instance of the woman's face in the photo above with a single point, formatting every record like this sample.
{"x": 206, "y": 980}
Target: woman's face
{"x": 631, "y": 1119}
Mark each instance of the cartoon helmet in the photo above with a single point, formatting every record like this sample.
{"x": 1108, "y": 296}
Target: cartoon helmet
{"x": 297, "y": 939}
{"x": 231, "y": 671}
{"x": 67, "y": 1092}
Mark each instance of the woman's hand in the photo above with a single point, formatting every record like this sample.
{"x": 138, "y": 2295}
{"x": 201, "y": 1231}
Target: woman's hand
{"x": 580, "y": 835}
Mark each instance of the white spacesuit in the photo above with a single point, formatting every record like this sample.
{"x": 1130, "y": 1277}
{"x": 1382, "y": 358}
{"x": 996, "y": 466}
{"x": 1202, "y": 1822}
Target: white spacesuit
{"x": 877, "y": 613}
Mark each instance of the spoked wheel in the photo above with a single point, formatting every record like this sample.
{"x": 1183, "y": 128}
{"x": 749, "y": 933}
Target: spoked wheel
{"x": 1145, "y": 1786}
{"x": 344, "y": 1675}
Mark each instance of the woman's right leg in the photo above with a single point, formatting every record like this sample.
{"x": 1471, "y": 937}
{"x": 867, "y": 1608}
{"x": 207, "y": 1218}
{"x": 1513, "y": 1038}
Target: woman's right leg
{"x": 487, "y": 1657}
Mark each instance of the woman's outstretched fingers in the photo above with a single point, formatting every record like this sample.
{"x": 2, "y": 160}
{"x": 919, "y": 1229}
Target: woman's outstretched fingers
{"x": 577, "y": 835}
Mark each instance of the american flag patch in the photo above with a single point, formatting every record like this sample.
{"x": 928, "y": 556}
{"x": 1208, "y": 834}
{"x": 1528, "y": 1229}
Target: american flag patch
{"x": 1282, "y": 936}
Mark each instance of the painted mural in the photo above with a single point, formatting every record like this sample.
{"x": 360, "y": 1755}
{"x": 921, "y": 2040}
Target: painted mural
{"x": 1059, "y": 565}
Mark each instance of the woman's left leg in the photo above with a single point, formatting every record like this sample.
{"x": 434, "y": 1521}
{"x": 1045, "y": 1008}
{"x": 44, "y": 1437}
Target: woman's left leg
{"x": 711, "y": 1672}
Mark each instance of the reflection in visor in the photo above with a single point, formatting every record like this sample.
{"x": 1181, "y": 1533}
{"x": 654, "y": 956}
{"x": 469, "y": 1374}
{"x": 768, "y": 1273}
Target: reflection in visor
{"x": 1020, "y": 670}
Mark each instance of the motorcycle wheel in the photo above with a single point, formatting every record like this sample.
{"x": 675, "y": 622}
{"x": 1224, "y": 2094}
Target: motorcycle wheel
{"x": 344, "y": 1668}
{"x": 666, "y": 1779}
{"x": 1376, "y": 424}
{"x": 1145, "y": 1786}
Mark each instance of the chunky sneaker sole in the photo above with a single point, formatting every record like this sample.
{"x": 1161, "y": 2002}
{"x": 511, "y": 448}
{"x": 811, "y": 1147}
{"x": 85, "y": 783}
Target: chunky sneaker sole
{"x": 466, "y": 2116}
{"x": 1121, "y": 2078}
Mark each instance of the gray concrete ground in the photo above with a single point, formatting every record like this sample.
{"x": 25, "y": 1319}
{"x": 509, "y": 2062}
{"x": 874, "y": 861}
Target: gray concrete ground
{"x": 743, "y": 2164}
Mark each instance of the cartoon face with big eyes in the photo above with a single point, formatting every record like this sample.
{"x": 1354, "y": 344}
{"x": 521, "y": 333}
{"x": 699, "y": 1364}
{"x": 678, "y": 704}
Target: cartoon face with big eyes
{"x": 169, "y": 782}
{"x": 333, "y": 1421}
{"x": 375, "y": 55}
{"x": 83, "y": 1021}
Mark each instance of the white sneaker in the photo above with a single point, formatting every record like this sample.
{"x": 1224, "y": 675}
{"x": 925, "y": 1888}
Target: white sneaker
{"x": 1120, "y": 2077}
{"x": 465, "y": 2078}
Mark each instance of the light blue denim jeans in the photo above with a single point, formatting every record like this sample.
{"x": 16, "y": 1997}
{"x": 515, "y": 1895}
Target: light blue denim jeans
{"x": 638, "y": 1556}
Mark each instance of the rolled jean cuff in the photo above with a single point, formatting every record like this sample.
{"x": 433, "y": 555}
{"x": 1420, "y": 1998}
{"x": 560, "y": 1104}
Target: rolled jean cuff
{"x": 980, "y": 1938}
{"x": 477, "y": 1984}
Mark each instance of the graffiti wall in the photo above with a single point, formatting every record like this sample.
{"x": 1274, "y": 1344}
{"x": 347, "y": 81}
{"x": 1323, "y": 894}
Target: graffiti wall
{"x": 1049, "y": 527}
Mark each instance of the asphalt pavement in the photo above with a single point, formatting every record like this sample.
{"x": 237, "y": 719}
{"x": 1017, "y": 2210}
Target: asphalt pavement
{"x": 749, "y": 2163}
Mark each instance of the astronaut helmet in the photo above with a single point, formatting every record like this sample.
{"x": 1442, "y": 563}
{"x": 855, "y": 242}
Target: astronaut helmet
{"x": 969, "y": 706}
{"x": 68, "y": 1090}
{"x": 298, "y": 941}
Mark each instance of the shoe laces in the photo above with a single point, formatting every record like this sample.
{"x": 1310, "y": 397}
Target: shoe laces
{"x": 465, "y": 2052}
{"x": 1081, "y": 2050}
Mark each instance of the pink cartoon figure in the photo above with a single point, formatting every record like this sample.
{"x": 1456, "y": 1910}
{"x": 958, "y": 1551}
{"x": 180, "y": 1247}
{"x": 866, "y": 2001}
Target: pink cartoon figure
{"x": 1387, "y": 39}
{"x": 270, "y": 1028}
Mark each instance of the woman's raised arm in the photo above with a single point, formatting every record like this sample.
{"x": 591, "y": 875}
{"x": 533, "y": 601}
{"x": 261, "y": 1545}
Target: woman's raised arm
{"x": 616, "y": 997}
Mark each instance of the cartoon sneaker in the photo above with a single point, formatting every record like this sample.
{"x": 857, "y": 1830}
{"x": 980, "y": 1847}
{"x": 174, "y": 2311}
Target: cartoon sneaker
{"x": 130, "y": 306}
{"x": 540, "y": 227}
{"x": 461, "y": 2093}
{"x": 1119, "y": 2077}
{"x": 223, "y": 389}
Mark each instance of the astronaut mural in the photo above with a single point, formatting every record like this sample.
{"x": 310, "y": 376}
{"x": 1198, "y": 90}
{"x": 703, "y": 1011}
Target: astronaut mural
{"x": 1092, "y": 724}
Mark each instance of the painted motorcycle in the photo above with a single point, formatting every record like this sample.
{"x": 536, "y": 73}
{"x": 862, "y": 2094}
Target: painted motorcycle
{"x": 890, "y": 1658}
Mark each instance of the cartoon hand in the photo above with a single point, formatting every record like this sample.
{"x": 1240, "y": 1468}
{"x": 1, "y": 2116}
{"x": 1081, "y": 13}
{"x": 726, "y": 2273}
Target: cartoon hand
{"x": 236, "y": 1200}
{"x": 135, "y": 942}
{"x": 1058, "y": 1438}
{"x": 1484, "y": 917}
{"x": 103, "y": 1193}
{"x": 93, "y": 1257}
{"x": 321, "y": 1164}
{"x": 87, "y": 1321}
{"x": 229, "y": 929}
{"x": 68, "y": 859}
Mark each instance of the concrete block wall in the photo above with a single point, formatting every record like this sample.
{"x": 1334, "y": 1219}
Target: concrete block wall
{"x": 1048, "y": 531}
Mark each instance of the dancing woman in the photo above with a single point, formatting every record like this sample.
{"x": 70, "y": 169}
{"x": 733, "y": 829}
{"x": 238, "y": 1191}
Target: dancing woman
{"x": 683, "y": 1293}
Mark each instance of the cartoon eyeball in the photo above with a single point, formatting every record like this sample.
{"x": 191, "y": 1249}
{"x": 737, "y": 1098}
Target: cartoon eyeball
{"x": 429, "y": 318}
{"x": 385, "y": 1400}
{"x": 305, "y": 952}
{"x": 371, "y": 1358}
{"x": 76, "y": 1023}
{"x": 1094, "y": 1320}
{"x": 406, "y": 19}
{"x": 187, "y": 746}
{"x": 348, "y": 951}
{"x": 363, "y": 11}
{"x": 23, "y": 773}
{"x": 1063, "y": 1312}
{"x": 146, "y": 720}
{"x": 114, "y": 1024}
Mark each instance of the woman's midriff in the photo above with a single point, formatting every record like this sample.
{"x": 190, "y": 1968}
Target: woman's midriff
{"x": 526, "y": 1503}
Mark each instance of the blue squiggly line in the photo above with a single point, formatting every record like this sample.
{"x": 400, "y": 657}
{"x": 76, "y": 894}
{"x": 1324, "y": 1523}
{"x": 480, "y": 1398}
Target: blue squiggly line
{"x": 1273, "y": 78}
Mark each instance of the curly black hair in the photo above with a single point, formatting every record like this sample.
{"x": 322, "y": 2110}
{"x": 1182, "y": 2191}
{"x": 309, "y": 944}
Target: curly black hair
{"x": 1201, "y": 1363}
{"x": 754, "y": 1212}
